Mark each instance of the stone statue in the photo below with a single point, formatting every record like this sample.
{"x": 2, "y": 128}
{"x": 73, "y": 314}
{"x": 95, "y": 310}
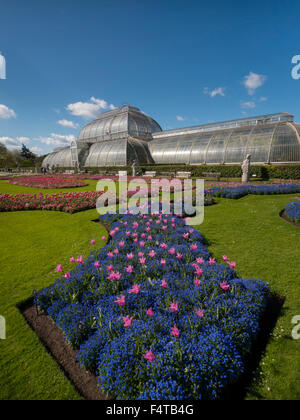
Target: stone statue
{"x": 246, "y": 169}
{"x": 134, "y": 168}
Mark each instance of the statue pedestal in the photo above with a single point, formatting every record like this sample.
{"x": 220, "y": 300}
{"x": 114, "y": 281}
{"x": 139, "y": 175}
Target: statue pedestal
{"x": 245, "y": 178}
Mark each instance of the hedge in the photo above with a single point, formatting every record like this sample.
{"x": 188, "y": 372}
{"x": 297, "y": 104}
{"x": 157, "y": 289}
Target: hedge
{"x": 226, "y": 171}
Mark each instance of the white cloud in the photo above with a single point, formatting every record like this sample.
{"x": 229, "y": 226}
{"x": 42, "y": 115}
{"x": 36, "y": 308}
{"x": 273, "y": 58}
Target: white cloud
{"x": 253, "y": 81}
{"x": 263, "y": 99}
{"x": 6, "y": 112}
{"x": 58, "y": 140}
{"x": 24, "y": 140}
{"x": 10, "y": 142}
{"x": 89, "y": 109}
{"x": 37, "y": 150}
{"x": 249, "y": 105}
{"x": 212, "y": 93}
{"x": 67, "y": 123}
{"x": 179, "y": 118}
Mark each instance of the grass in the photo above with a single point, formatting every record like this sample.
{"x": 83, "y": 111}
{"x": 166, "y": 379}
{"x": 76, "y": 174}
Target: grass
{"x": 248, "y": 230}
{"x": 32, "y": 245}
{"x": 265, "y": 246}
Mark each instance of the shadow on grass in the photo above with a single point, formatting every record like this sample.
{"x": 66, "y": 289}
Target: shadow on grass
{"x": 268, "y": 322}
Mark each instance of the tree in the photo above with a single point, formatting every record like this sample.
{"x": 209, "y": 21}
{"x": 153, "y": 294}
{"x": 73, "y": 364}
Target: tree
{"x": 27, "y": 154}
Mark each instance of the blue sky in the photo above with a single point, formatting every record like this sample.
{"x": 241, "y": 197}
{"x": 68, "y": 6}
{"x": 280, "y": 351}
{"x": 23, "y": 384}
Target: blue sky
{"x": 183, "y": 62}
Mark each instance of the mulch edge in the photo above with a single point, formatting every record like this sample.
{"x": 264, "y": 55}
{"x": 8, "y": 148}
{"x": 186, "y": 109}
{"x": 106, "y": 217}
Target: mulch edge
{"x": 288, "y": 219}
{"x": 54, "y": 340}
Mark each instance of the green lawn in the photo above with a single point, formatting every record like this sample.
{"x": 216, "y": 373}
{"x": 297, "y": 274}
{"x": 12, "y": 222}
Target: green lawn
{"x": 248, "y": 230}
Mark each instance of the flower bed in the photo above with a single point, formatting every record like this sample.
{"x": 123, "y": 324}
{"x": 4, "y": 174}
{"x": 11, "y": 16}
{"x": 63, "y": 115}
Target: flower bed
{"x": 292, "y": 210}
{"x": 48, "y": 181}
{"x": 70, "y": 202}
{"x": 239, "y": 191}
{"x": 153, "y": 315}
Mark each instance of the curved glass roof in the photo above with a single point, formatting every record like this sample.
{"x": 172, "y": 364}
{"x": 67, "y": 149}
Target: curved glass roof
{"x": 123, "y": 135}
{"x": 120, "y": 152}
{"x": 266, "y": 143}
{"x": 119, "y": 123}
{"x": 60, "y": 158}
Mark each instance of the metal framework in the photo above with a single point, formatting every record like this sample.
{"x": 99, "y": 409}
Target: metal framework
{"x": 124, "y": 135}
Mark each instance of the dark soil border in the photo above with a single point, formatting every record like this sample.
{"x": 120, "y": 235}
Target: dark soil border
{"x": 55, "y": 343}
{"x": 86, "y": 383}
{"x": 288, "y": 219}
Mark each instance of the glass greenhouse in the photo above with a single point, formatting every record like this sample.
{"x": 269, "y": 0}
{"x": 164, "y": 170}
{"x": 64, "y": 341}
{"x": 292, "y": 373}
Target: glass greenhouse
{"x": 125, "y": 135}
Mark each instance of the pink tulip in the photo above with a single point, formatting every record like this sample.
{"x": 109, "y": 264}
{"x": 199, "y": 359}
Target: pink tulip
{"x": 129, "y": 269}
{"x": 130, "y": 256}
{"x": 59, "y": 268}
{"x": 127, "y": 321}
{"x": 224, "y": 286}
{"x": 197, "y": 282}
{"x": 97, "y": 264}
{"x": 211, "y": 261}
{"x": 232, "y": 264}
{"x": 93, "y": 242}
{"x": 121, "y": 244}
{"x": 152, "y": 254}
{"x": 72, "y": 259}
{"x": 179, "y": 256}
{"x": 172, "y": 251}
{"x": 174, "y": 307}
{"x": 199, "y": 272}
{"x": 225, "y": 258}
{"x": 194, "y": 247}
{"x": 80, "y": 260}
{"x": 149, "y": 356}
{"x": 150, "y": 312}
{"x": 175, "y": 331}
{"x": 200, "y": 260}
{"x": 142, "y": 261}
{"x": 67, "y": 275}
{"x": 135, "y": 289}
{"x": 200, "y": 313}
{"x": 162, "y": 262}
{"x": 164, "y": 283}
{"x": 103, "y": 238}
{"x": 120, "y": 301}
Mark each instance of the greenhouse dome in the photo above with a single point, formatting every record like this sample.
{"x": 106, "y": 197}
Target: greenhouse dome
{"x": 124, "y": 135}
